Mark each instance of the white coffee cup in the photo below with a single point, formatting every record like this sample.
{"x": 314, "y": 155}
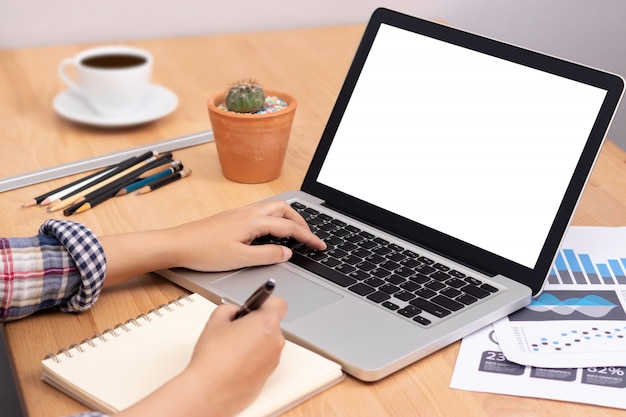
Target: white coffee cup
{"x": 113, "y": 80}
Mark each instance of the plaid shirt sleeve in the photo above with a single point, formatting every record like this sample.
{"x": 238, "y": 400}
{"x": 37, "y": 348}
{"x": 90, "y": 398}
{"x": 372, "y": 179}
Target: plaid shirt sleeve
{"x": 63, "y": 267}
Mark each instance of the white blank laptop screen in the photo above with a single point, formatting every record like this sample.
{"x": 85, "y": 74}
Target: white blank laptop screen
{"x": 474, "y": 146}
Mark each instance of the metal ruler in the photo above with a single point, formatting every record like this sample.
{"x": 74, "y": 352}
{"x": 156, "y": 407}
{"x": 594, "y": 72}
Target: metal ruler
{"x": 89, "y": 164}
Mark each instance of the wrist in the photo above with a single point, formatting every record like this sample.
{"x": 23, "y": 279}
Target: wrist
{"x": 136, "y": 253}
{"x": 203, "y": 397}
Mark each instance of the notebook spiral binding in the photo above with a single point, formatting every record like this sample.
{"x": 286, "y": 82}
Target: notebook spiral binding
{"x": 125, "y": 327}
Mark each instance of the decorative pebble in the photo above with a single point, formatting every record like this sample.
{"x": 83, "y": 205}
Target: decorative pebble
{"x": 272, "y": 104}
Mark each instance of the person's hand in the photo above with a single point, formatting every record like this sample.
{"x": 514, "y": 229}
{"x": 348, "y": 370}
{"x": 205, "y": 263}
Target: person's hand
{"x": 240, "y": 354}
{"x": 230, "y": 363}
{"x": 222, "y": 242}
{"x": 217, "y": 243}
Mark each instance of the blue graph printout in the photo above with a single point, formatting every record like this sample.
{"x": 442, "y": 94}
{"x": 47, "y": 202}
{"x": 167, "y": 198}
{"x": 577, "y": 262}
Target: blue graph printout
{"x": 481, "y": 366}
{"x": 579, "y": 319}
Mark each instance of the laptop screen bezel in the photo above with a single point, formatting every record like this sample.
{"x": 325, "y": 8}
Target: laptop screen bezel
{"x": 439, "y": 242}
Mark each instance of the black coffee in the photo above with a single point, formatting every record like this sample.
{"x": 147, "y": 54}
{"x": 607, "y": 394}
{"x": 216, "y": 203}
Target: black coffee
{"x": 113, "y": 61}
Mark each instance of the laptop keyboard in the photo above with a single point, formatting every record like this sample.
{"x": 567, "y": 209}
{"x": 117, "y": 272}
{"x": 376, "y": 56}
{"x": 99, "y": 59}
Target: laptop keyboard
{"x": 385, "y": 273}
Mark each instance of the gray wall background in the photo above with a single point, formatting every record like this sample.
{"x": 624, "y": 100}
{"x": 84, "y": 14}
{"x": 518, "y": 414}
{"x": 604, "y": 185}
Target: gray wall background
{"x": 588, "y": 31}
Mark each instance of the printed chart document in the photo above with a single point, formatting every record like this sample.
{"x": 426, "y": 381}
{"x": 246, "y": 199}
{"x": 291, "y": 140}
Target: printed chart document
{"x": 579, "y": 319}
{"x": 569, "y": 343}
{"x": 481, "y": 366}
{"x": 119, "y": 367}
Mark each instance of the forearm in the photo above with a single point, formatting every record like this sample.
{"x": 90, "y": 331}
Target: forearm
{"x": 136, "y": 253}
{"x": 194, "y": 396}
{"x": 217, "y": 243}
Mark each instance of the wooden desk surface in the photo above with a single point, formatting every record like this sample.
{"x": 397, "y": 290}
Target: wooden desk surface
{"x": 311, "y": 65}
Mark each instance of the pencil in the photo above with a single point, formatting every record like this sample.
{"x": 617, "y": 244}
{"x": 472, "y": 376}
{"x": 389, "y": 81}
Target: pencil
{"x": 74, "y": 197}
{"x": 43, "y": 197}
{"x": 71, "y": 188}
{"x": 160, "y": 168}
{"x": 92, "y": 202}
{"x": 109, "y": 190}
{"x": 164, "y": 181}
{"x": 148, "y": 180}
{"x": 117, "y": 181}
{"x": 121, "y": 167}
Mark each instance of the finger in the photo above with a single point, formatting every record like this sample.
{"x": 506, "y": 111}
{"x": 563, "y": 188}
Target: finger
{"x": 276, "y": 306}
{"x": 291, "y": 214}
{"x": 265, "y": 254}
{"x": 282, "y": 227}
{"x": 223, "y": 313}
{"x": 271, "y": 312}
{"x": 282, "y": 209}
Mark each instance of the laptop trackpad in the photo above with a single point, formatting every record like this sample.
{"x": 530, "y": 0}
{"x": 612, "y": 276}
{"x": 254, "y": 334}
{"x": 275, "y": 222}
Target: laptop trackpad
{"x": 302, "y": 295}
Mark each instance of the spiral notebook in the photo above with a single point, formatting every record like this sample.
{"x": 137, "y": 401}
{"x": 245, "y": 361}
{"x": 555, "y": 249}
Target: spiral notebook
{"x": 115, "y": 369}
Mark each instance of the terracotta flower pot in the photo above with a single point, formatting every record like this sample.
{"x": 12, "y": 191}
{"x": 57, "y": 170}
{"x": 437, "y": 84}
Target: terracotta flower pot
{"x": 251, "y": 147}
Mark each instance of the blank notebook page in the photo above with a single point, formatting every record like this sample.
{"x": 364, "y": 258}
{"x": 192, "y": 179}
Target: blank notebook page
{"x": 116, "y": 369}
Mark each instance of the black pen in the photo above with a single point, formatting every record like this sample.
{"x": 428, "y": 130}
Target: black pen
{"x": 257, "y": 299}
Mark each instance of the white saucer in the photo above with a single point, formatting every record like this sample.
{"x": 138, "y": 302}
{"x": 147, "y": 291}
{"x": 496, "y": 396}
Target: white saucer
{"x": 159, "y": 102}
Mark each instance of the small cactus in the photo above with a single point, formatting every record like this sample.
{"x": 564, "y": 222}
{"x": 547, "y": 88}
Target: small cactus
{"x": 245, "y": 96}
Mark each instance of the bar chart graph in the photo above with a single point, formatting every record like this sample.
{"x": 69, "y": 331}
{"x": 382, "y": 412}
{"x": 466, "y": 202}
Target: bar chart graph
{"x": 571, "y": 267}
{"x": 579, "y": 318}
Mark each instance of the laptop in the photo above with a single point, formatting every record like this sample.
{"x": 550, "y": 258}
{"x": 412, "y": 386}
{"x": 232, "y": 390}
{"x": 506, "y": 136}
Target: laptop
{"x": 443, "y": 183}
{"x": 11, "y": 396}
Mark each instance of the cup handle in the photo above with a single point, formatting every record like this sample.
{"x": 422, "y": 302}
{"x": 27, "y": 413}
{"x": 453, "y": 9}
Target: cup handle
{"x": 65, "y": 77}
